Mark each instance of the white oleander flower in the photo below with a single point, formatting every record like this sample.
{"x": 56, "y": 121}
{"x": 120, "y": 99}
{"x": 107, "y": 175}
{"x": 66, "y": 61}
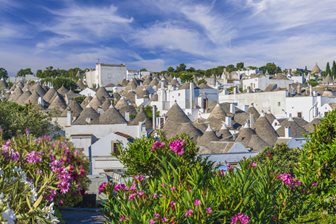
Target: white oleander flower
{"x": 9, "y": 216}
{"x": 1, "y": 172}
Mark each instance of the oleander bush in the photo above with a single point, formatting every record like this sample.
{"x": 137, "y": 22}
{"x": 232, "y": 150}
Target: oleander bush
{"x": 37, "y": 175}
{"x": 187, "y": 189}
{"x": 170, "y": 184}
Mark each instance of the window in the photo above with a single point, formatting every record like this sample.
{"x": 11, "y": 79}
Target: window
{"x": 115, "y": 147}
{"x": 299, "y": 114}
{"x": 279, "y": 104}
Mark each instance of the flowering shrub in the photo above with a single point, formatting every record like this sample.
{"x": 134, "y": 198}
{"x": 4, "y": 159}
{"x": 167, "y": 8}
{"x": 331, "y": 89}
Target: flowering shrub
{"x": 187, "y": 189}
{"x": 37, "y": 174}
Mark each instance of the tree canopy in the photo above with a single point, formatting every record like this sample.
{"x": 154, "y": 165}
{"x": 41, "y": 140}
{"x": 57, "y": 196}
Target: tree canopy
{"x": 24, "y": 71}
{"x": 14, "y": 119}
{"x": 271, "y": 68}
{"x": 3, "y": 73}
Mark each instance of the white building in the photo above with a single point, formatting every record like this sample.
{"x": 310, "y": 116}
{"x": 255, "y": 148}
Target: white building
{"x": 263, "y": 81}
{"x": 105, "y": 74}
{"x": 274, "y": 102}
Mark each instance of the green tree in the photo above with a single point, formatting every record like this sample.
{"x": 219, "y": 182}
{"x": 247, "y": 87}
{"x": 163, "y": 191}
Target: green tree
{"x": 143, "y": 70}
{"x": 328, "y": 70}
{"x": 14, "y": 119}
{"x": 240, "y": 65}
{"x": 230, "y": 68}
{"x": 191, "y": 69}
{"x": 333, "y": 69}
{"x": 24, "y": 71}
{"x": 170, "y": 69}
{"x": 3, "y": 73}
{"x": 181, "y": 68}
{"x": 271, "y": 68}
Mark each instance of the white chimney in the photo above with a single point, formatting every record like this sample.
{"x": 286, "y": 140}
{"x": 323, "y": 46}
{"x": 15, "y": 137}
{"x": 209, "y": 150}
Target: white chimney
{"x": 154, "y": 117}
{"x": 191, "y": 95}
{"x": 127, "y": 116}
{"x": 251, "y": 119}
{"x": 69, "y": 118}
{"x": 232, "y": 108}
{"x": 228, "y": 121}
{"x": 288, "y": 132}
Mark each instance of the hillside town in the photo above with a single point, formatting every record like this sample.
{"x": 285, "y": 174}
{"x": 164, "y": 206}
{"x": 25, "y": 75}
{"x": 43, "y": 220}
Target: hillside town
{"x": 231, "y": 116}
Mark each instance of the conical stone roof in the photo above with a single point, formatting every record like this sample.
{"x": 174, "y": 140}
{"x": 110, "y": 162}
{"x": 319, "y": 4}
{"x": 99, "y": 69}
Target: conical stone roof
{"x": 112, "y": 116}
{"x": 62, "y": 90}
{"x": 208, "y": 136}
{"x": 102, "y": 93}
{"x": 57, "y": 104}
{"x": 16, "y": 94}
{"x": 311, "y": 127}
{"x": 224, "y": 133}
{"x": 33, "y": 98}
{"x": 296, "y": 130}
{"x": 106, "y": 105}
{"x": 24, "y": 96}
{"x": 87, "y": 116}
{"x": 140, "y": 117}
{"x": 316, "y": 69}
{"x": 265, "y": 130}
{"x": 257, "y": 144}
{"x": 75, "y": 109}
{"x": 49, "y": 95}
{"x": 86, "y": 101}
{"x": 252, "y": 110}
{"x": 95, "y": 103}
{"x": 245, "y": 135}
{"x": 80, "y": 84}
{"x": 40, "y": 91}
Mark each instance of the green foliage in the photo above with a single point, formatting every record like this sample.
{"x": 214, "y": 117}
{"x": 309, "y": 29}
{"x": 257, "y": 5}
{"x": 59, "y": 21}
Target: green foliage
{"x": 143, "y": 70}
{"x": 3, "y": 73}
{"x": 230, "y": 68}
{"x": 333, "y": 69}
{"x": 16, "y": 118}
{"x": 240, "y": 65}
{"x": 283, "y": 158}
{"x": 149, "y": 111}
{"x": 79, "y": 99}
{"x": 170, "y": 69}
{"x": 317, "y": 163}
{"x": 181, "y": 68}
{"x": 138, "y": 157}
{"x": 328, "y": 70}
{"x": 312, "y": 82}
{"x": 271, "y": 68}
{"x": 199, "y": 82}
{"x": 24, "y": 71}
{"x": 32, "y": 171}
{"x": 58, "y": 82}
{"x": 176, "y": 184}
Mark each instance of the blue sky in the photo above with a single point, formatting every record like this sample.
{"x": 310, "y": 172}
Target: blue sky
{"x": 156, "y": 34}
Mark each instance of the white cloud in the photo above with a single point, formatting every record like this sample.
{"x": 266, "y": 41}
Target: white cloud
{"x": 84, "y": 24}
{"x": 170, "y": 36}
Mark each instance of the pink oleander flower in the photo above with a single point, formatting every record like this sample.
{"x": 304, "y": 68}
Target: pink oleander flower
{"x": 197, "y": 202}
{"x": 34, "y": 157}
{"x": 152, "y": 221}
{"x": 157, "y": 145}
{"x": 173, "y": 188}
{"x": 164, "y": 219}
{"x": 172, "y": 204}
{"x": 139, "y": 177}
{"x": 140, "y": 193}
{"x": 122, "y": 218}
{"x": 157, "y": 215}
{"x": 15, "y": 156}
{"x": 177, "y": 147}
{"x": 132, "y": 187}
{"x": 50, "y": 197}
{"x": 102, "y": 187}
{"x": 289, "y": 180}
{"x": 132, "y": 196}
{"x": 155, "y": 196}
{"x": 189, "y": 213}
{"x": 208, "y": 210}
{"x": 119, "y": 187}
{"x": 27, "y": 131}
{"x": 229, "y": 166}
{"x": 314, "y": 184}
{"x": 253, "y": 164}
{"x": 242, "y": 218}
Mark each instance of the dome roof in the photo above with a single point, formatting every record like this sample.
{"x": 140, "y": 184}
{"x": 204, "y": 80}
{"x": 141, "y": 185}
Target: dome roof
{"x": 87, "y": 116}
{"x": 112, "y": 116}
